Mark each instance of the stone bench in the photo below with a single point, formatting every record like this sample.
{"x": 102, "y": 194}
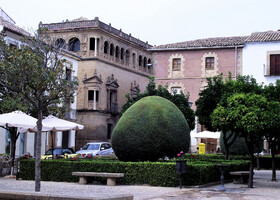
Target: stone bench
{"x": 111, "y": 177}
{"x": 240, "y": 177}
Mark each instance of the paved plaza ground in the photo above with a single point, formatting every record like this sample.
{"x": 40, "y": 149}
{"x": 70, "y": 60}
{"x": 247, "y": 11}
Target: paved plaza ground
{"x": 263, "y": 189}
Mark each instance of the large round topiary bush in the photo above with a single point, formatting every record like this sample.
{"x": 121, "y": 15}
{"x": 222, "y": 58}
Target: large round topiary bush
{"x": 150, "y": 129}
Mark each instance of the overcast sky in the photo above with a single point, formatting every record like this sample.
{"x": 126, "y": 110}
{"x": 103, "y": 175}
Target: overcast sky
{"x": 155, "y": 21}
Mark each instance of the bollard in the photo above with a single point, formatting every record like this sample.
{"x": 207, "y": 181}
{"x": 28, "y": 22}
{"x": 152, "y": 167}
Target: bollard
{"x": 222, "y": 187}
{"x": 181, "y": 168}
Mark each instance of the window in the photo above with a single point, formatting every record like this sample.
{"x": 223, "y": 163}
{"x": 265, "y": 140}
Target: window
{"x": 127, "y": 56}
{"x": 140, "y": 60}
{"x": 91, "y": 95}
{"x": 176, "y": 90}
{"x": 117, "y": 52}
{"x": 122, "y": 52}
{"x": 209, "y": 62}
{"x": 176, "y": 64}
{"x": 91, "y": 43}
{"x": 68, "y": 74}
{"x": 109, "y": 132}
{"x": 111, "y": 49}
{"x": 133, "y": 58}
{"x": 74, "y": 44}
{"x": 275, "y": 64}
{"x": 106, "y": 45}
{"x": 145, "y": 63}
{"x": 60, "y": 43}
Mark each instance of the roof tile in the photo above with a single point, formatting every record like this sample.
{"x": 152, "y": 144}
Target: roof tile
{"x": 268, "y": 36}
{"x": 208, "y": 42}
{"x": 12, "y": 27}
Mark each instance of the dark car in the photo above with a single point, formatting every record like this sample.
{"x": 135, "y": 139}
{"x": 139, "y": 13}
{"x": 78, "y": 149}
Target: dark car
{"x": 58, "y": 152}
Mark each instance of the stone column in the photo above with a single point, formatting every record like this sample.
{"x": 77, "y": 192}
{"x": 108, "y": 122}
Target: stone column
{"x": 71, "y": 141}
{"x": 58, "y": 139}
{"x": 95, "y": 48}
{"x": 94, "y": 99}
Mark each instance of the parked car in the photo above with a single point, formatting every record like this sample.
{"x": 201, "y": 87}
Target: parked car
{"x": 59, "y": 153}
{"x": 95, "y": 149}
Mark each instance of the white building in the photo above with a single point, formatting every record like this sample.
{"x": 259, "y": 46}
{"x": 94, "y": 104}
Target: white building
{"x": 261, "y": 56}
{"x": 12, "y": 35}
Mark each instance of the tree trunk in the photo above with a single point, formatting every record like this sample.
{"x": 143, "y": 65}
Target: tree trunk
{"x": 251, "y": 174}
{"x": 251, "y": 152}
{"x": 226, "y": 145}
{"x": 273, "y": 164}
{"x": 258, "y": 161}
{"x": 226, "y": 151}
{"x": 38, "y": 152}
{"x": 13, "y": 134}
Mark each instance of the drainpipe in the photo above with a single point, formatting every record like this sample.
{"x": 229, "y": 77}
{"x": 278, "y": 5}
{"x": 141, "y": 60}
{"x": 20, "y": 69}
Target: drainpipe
{"x": 235, "y": 66}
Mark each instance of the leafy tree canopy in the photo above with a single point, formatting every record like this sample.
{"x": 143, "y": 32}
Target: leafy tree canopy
{"x": 218, "y": 91}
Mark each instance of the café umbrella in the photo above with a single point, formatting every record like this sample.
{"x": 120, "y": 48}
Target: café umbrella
{"x": 57, "y": 124}
{"x": 17, "y": 119}
{"x": 52, "y": 124}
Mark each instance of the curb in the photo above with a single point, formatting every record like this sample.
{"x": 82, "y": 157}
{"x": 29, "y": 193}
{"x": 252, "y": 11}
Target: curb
{"x": 8, "y": 195}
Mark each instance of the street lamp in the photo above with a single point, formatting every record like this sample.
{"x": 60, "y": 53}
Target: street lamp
{"x": 151, "y": 65}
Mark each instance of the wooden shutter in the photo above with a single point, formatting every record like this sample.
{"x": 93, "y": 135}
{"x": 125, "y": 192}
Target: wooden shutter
{"x": 275, "y": 64}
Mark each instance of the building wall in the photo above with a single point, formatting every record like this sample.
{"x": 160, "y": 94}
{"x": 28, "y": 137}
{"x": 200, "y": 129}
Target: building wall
{"x": 124, "y": 79}
{"x": 192, "y": 76}
{"x": 97, "y": 68}
{"x": 255, "y": 60}
{"x": 2, "y": 140}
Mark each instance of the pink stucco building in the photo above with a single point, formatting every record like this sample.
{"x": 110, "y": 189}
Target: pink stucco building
{"x": 184, "y": 66}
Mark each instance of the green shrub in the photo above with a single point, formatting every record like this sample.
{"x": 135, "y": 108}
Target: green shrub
{"x": 150, "y": 129}
{"x": 239, "y": 146}
{"x": 265, "y": 162}
{"x": 211, "y": 157}
{"x": 152, "y": 173}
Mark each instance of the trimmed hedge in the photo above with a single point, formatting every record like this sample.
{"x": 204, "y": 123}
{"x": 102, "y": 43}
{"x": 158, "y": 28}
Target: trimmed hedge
{"x": 210, "y": 157}
{"x": 152, "y": 173}
{"x": 265, "y": 161}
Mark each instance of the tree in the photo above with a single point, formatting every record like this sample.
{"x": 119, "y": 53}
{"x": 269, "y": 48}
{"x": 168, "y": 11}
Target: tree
{"x": 218, "y": 91}
{"x": 35, "y": 73}
{"x": 246, "y": 114}
{"x": 208, "y": 100}
{"x": 272, "y": 93}
{"x": 180, "y": 100}
{"x": 239, "y": 147}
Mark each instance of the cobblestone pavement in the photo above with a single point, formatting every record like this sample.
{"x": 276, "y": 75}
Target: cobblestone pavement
{"x": 263, "y": 189}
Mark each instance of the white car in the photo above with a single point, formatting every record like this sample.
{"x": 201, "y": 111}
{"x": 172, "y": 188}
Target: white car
{"x": 95, "y": 149}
